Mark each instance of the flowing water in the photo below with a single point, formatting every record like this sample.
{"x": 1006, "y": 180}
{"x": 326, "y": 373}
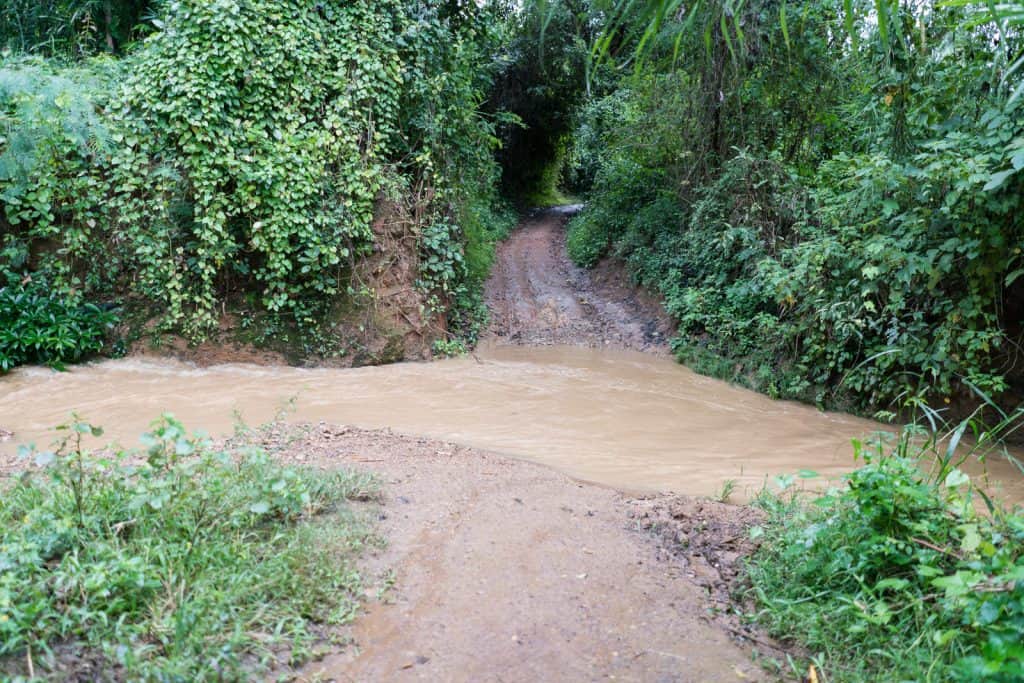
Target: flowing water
{"x": 624, "y": 419}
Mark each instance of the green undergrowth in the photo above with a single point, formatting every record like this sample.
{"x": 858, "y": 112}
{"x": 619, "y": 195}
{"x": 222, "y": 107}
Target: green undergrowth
{"x": 180, "y": 563}
{"x": 246, "y": 149}
{"x": 896, "y": 575}
{"x": 828, "y": 220}
{"x": 48, "y": 324}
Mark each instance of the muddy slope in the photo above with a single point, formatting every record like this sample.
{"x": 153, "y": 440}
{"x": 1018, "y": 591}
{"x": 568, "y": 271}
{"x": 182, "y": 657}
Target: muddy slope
{"x": 385, "y": 320}
{"x": 537, "y": 296}
{"x": 508, "y": 571}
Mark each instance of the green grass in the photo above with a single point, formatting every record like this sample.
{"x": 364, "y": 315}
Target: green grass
{"x": 896, "y": 576}
{"x": 183, "y": 563}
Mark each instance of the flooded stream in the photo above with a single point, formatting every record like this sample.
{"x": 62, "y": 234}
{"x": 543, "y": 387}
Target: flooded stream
{"x": 620, "y": 418}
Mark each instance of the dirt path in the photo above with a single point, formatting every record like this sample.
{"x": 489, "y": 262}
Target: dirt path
{"x": 537, "y": 296}
{"x": 508, "y": 571}
{"x": 501, "y": 570}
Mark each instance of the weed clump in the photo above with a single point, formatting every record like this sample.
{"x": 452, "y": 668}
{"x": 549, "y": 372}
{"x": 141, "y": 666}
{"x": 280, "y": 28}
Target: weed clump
{"x": 181, "y": 563}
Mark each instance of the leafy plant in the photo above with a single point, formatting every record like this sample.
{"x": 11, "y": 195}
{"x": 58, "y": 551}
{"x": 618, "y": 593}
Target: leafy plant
{"x": 240, "y": 151}
{"x": 828, "y": 220}
{"x": 183, "y": 562}
{"x": 237, "y": 162}
{"x": 896, "y": 574}
{"x": 71, "y": 28}
{"x": 43, "y": 324}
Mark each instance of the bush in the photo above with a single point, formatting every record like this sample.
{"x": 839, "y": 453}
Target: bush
{"x": 586, "y": 241}
{"x": 192, "y": 564}
{"x": 254, "y": 138}
{"x": 241, "y": 149}
{"x": 827, "y": 221}
{"x": 896, "y": 576}
{"x": 55, "y": 146}
{"x": 44, "y": 324}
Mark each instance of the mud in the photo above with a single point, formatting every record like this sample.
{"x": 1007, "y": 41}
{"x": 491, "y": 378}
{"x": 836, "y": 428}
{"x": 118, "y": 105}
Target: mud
{"x": 538, "y": 297}
{"x": 499, "y": 569}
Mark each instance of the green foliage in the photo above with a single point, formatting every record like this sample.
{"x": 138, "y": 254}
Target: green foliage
{"x": 908, "y": 267}
{"x": 544, "y": 66}
{"x": 453, "y": 145}
{"x": 182, "y": 563}
{"x": 896, "y": 575}
{"x": 41, "y": 323}
{"x": 827, "y": 221}
{"x": 587, "y": 241}
{"x": 54, "y": 150}
{"x": 252, "y": 141}
{"x": 240, "y": 150}
{"x": 71, "y": 28}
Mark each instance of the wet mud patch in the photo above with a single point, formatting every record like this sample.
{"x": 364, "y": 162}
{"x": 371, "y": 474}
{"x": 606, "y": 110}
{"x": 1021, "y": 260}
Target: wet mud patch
{"x": 710, "y": 542}
{"x": 709, "y": 538}
{"x": 499, "y": 569}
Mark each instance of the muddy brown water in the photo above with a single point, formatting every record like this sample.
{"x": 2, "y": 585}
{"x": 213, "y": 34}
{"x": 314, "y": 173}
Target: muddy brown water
{"x": 625, "y": 419}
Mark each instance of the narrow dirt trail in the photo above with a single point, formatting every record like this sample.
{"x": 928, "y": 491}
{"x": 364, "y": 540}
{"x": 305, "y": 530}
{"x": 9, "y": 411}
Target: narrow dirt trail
{"x": 537, "y": 296}
{"x": 509, "y": 571}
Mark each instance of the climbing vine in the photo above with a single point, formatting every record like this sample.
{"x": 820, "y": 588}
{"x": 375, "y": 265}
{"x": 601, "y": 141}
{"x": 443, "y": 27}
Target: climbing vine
{"x": 239, "y": 152}
{"x": 253, "y": 134}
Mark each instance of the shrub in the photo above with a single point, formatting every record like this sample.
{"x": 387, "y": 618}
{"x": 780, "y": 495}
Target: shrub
{"x": 896, "y": 576}
{"x": 241, "y": 148}
{"x": 41, "y": 323}
{"x": 586, "y": 241}
{"x": 254, "y": 135}
{"x": 54, "y": 167}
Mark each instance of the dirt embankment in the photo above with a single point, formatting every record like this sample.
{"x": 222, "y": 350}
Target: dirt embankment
{"x": 384, "y": 319}
{"x": 537, "y": 296}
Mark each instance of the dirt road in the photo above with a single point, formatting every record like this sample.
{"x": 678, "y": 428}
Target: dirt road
{"x": 501, "y": 570}
{"x": 504, "y": 570}
{"x": 537, "y": 296}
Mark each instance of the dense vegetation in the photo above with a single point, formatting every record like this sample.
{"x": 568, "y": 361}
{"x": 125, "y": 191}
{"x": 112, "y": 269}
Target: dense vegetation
{"x": 239, "y": 153}
{"x": 827, "y": 195}
{"x": 897, "y": 576}
{"x": 827, "y": 198}
{"x": 180, "y": 563}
